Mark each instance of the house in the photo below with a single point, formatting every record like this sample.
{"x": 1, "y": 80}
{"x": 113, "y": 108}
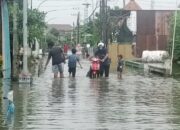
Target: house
{"x": 65, "y": 31}
{"x": 151, "y": 28}
{"x": 61, "y": 27}
{"x": 133, "y": 6}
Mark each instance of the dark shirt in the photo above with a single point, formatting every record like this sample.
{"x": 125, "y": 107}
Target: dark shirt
{"x": 120, "y": 63}
{"x": 57, "y": 55}
{"x": 101, "y": 53}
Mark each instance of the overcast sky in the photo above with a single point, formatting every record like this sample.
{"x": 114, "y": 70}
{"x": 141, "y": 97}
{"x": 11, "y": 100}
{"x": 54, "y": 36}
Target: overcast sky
{"x": 65, "y": 11}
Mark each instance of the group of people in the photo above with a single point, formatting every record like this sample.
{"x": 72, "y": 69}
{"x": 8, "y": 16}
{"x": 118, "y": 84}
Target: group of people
{"x": 58, "y": 60}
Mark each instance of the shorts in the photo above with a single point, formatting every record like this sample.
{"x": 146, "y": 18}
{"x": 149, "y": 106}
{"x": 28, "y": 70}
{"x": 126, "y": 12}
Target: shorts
{"x": 72, "y": 71}
{"x": 58, "y": 68}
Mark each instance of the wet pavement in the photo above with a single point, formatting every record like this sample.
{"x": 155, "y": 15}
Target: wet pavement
{"x": 137, "y": 102}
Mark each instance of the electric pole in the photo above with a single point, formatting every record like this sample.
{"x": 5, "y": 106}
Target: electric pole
{"x": 93, "y": 8}
{"x": 152, "y": 4}
{"x": 85, "y": 18}
{"x": 25, "y": 6}
{"x": 103, "y": 16}
{"x": 86, "y": 12}
{"x": 31, "y": 4}
{"x": 25, "y": 76}
{"x": 78, "y": 24}
{"x": 124, "y": 3}
{"x": 15, "y": 42}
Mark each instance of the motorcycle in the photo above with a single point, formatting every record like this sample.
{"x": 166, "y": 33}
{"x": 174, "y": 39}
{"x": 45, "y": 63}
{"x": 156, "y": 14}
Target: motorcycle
{"x": 95, "y": 67}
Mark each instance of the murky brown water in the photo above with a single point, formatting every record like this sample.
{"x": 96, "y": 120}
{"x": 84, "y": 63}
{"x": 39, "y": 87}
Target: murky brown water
{"x": 138, "y": 102}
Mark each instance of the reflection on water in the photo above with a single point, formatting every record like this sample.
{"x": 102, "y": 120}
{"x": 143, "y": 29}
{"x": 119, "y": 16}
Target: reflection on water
{"x": 137, "y": 102}
{"x": 57, "y": 89}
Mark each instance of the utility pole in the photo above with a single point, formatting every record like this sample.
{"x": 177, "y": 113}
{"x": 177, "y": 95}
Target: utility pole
{"x": 25, "y": 76}
{"x": 103, "y": 13}
{"x": 174, "y": 37}
{"x": 152, "y": 4}
{"x": 15, "y": 42}
{"x": 25, "y": 69}
{"x": 31, "y": 4}
{"x": 106, "y": 24}
{"x": 124, "y": 3}
{"x": 78, "y": 24}
{"x": 85, "y": 18}
{"x": 86, "y": 12}
{"x": 101, "y": 20}
{"x": 93, "y": 8}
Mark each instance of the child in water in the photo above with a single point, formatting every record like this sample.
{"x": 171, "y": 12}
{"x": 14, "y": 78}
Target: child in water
{"x": 72, "y": 59}
{"x": 120, "y": 66}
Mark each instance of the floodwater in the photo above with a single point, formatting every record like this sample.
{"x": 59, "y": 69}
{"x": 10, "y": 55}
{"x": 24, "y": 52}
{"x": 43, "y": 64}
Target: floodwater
{"x": 137, "y": 102}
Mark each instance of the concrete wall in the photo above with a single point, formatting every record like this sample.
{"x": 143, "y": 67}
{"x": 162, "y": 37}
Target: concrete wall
{"x": 123, "y": 49}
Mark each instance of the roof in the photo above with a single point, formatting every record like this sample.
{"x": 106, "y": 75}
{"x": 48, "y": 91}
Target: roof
{"x": 132, "y": 5}
{"x": 61, "y": 27}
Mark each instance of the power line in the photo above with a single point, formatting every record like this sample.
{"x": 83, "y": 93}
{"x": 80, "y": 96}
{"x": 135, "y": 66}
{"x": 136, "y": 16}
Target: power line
{"x": 62, "y": 0}
{"x": 94, "y": 10}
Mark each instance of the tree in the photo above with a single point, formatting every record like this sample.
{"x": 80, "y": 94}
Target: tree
{"x": 93, "y": 28}
{"x": 119, "y": 30}
{"x": 36, "y": 26}
{"x": 50, "y": 39}
{"x": 120, "y": 33}
{"x": 54, "y": 32}
{"x": 36, "y": 22}
{"x": 177, "y": 37}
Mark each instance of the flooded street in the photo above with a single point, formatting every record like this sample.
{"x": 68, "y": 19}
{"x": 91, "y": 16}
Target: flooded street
{"x": 137, "y": 102}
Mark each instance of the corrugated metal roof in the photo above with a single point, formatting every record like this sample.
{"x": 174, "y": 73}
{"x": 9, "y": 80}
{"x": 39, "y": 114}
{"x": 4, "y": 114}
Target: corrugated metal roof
{"x": 61, "y": 27}
{"x": 132, "y": 5}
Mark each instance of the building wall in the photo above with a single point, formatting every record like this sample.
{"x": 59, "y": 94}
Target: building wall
{"x": 0, "y": 31}
{"x": 131, "y": 22}
{"x": 152, "y": 30}
{"x": 123, "y": 49}
{"x": 1, "y": 60}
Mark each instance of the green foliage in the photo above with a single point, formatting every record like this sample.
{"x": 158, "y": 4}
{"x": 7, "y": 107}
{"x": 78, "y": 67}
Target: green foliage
{"x": 92, "y": 31}
{"x": 94, "y": 27}
{"x": 97, "y": 30}
{"x": 177, "y": 37}
{"x": 36, "y": 24}
{"x": 120, "y": 32}
{"x": 116, "y": 8}
{"x": 54, "y": 32}
{"x": 50, "y": 38}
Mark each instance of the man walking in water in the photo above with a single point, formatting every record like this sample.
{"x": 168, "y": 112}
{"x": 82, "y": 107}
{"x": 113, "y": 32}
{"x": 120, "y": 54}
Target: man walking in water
{"x": 57, "y": 59}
